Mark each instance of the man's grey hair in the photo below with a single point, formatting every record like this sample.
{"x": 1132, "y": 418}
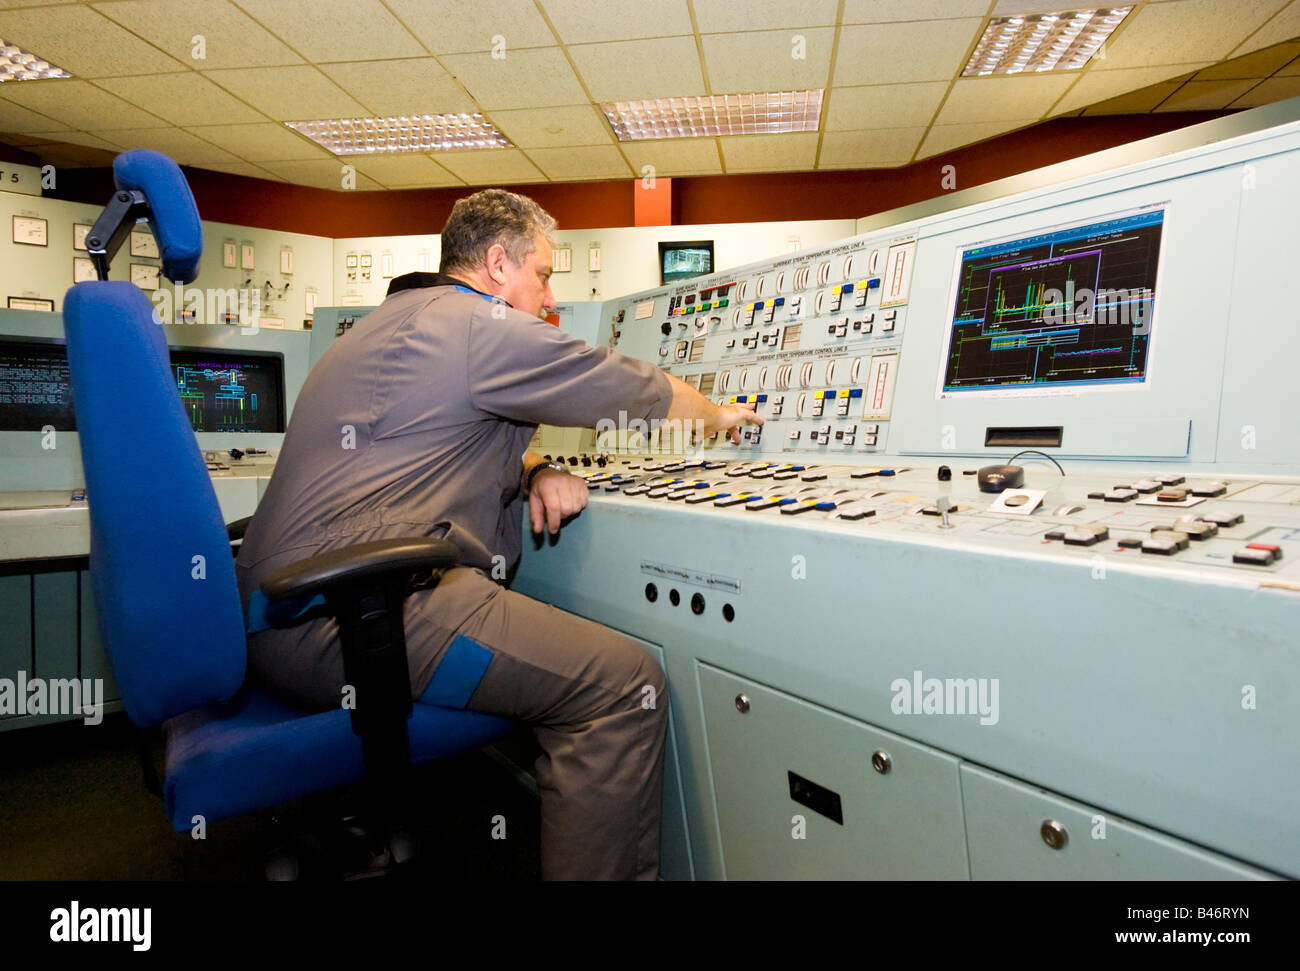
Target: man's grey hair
{"x": 492, "y": 216}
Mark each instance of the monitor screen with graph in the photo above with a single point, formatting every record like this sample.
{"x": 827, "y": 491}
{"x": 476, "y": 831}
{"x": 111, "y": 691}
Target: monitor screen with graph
{"x": 230, "y": 391}
{"x": 1064, "y": 308}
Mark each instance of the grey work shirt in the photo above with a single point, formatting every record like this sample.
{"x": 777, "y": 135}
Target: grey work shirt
{"x": 416, "y": 421}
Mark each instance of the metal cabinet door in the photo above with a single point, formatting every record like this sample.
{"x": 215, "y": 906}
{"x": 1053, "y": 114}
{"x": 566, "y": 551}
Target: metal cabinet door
{"x": 771, "y": 755}
{"x": 1017, "y": 832}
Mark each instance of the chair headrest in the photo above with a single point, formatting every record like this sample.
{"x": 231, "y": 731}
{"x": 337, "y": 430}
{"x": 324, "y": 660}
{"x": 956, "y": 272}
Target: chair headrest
{"x": 175, "y": 217}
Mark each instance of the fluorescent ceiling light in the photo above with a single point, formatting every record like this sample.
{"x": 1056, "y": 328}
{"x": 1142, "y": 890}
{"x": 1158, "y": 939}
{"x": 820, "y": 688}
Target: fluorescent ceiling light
{"x": 720, "y": 114}
{"x": 1033, "y": 43}
{"x": 17, "y": 64}
{"x": 402, "y": 133}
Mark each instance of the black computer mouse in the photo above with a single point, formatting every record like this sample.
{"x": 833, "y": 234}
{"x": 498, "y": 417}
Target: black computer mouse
{"x": 996, "y": 478}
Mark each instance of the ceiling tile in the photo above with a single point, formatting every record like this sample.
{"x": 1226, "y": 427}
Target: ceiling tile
{"x": 533, "y": 78}
{"x": 1179, "y": 31}
{"x": 718, "y": 16}
{"x": 60, "y": 35}
{"x": 581, "y": 164}
{"x": 180, "y": 146}
{"x": 74, "y": 157}
{"x": 491, "y": 166}
{"x": 883, "y": 105}
{"x": 879, "y": 148}
{"x": 1292, "y": 68}
{"x": 323, "y": 174}
{"x": 182, "y": 99}
{"x": 230, "y": 38}
{"x": 455, "y": 26}
{"x": 554, "y": 127}
{"x": 1002, "y": 99}
{"x": 335, "y": 30}
{"x": 1137, "y": 102}
{"x": 1005, "y": 8}
{"x": 945, "y": 138}
{"x": 1257, "y": 65}
{"x": 246, "y": 169}
{"x": 1206, "y": 95}
{"x": 1269, "y": 91}
{"x": 766, "y": 153}
{"x": 32, "y": 3}
{"x": 883, "y": 11}
{"x": 79, "y": 104}
{"x": 1284, "y": 26}
{"x": 403, "y": 170}
{"x": 885, "y": 53}
{"x": 584, "y": 22}
{"x": 26, "y": 140}
{"x": 674, "y": 156}
{"x": 288, "y": 93}
{"x": 667, "y": 67}
{"x": 84, "y": 139}
{"x": 15, "y": 118}
{"x": 1095, "y": 86}
{"x": 402, "y": 87}
{"x": 763, "y": 60}
{"x": 262, "y": 143}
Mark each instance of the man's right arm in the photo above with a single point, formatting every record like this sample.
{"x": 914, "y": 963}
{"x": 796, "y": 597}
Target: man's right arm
{"x": 688, "y": 405}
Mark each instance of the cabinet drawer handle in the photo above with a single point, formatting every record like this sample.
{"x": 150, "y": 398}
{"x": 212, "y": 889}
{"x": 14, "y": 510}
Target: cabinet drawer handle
{"x": 742, "y": 703}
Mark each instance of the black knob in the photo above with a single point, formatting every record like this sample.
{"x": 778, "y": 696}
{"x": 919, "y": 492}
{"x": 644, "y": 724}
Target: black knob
{"x": 586, "y": 461}
{"x": 945, "y": 473}
{"x": 573, "y": 460}
{"x": 666, "y": 327}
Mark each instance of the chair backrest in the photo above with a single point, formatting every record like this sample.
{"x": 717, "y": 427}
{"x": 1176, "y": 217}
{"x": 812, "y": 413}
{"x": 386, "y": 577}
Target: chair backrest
{"x": 160, "y": 564}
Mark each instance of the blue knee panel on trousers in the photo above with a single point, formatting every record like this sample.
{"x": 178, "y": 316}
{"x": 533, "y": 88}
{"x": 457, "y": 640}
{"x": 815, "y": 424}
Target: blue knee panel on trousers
{"x": 458, "y": 674}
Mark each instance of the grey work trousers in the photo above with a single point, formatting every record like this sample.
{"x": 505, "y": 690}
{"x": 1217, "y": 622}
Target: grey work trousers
{"x": 597, "y": 702}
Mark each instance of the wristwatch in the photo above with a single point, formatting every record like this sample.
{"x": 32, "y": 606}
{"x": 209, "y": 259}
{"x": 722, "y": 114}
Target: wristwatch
{"x": 532, "y": 473}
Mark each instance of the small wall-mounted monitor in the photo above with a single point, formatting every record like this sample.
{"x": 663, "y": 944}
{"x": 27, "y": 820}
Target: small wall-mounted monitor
{"x": 681, "y": 261}
{"x": 230, "y": 391}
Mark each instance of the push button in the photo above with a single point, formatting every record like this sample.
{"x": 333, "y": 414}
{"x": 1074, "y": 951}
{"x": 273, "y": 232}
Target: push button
{"x": 1165, "y": 542}
{"x": 1223, "y": 519}
{"x": 1253, "y": 557}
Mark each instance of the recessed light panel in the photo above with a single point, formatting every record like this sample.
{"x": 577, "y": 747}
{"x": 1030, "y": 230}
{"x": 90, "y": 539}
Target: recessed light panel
{"x": 402, "y": 133}
{"x": 720, "y": 114}
{"x": 17, "y": 64}
{"x": 1033, "y": 43}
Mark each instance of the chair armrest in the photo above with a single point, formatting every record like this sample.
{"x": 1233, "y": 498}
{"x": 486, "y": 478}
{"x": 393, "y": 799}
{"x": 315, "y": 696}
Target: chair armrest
{"x": 317, "y": 573}
{"x": 365, "y": 587}
{"x": 238, "y": 528}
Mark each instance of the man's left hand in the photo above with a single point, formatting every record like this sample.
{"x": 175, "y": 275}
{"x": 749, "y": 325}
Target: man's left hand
{"x": 553, "y": 497}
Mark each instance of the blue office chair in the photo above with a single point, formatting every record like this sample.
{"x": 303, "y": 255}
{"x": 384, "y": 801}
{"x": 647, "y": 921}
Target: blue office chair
{"x": 163, "y": 576}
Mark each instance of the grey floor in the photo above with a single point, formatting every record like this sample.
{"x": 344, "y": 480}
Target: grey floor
{"x": 73, "y": 807}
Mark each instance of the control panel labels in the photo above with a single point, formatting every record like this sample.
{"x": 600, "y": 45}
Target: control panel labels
{"x": 696, "y": 578}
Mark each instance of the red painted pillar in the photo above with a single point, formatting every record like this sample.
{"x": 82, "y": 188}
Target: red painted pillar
{"x": 652, "y": 202}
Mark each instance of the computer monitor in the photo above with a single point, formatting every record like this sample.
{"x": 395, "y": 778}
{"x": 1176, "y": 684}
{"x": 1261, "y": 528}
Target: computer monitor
{"x": 230, "y": 391}
{"x": 1066, "y": 308}
{"x": 35, "y": 387}
{"x": 681, "y": 261}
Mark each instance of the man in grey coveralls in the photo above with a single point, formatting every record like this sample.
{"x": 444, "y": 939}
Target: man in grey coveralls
{"x": 417, "y": 423}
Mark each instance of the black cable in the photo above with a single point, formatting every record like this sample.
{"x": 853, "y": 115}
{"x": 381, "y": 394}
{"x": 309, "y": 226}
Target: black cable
{"x": 1036, "y": 452}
